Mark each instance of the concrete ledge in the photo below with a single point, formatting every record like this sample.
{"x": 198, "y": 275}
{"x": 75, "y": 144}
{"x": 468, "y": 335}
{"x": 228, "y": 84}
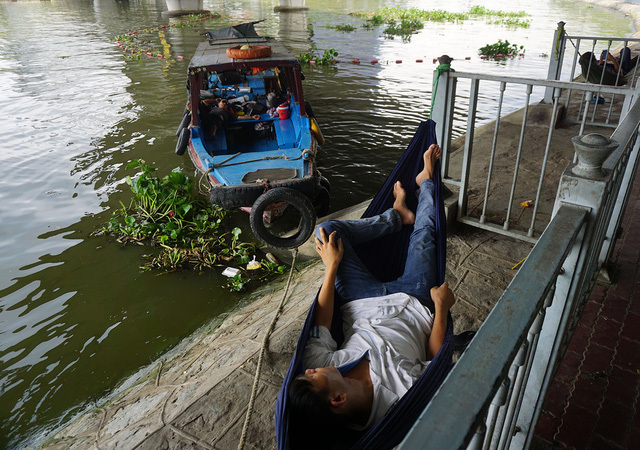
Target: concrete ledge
{"x": 178, "y": 13}
{"x": 290, "y": 8}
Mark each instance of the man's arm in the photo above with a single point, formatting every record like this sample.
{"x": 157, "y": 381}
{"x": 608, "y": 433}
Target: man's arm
{"x": 331, "y": 251}
{"x": 443, "y": 300}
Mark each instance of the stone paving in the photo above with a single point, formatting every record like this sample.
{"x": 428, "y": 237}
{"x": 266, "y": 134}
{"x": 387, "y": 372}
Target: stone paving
{"x": 593, "y": 400}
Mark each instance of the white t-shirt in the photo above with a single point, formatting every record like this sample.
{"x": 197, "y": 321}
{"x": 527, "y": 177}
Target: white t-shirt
{"x": 393, "y": 329}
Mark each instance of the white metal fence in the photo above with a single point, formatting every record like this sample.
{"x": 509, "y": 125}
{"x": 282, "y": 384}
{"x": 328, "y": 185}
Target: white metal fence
{"x": 453, "y": 105}
{"x": 493, "y": 395}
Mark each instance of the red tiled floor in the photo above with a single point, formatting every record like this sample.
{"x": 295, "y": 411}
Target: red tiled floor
{"x": 569, "y": 366}
{"x": 615, "y": 308}
{"x": 614, "y": 422}
{"x": 597, "y": 360}
{"x": 600, "y": 443}
{"x": 546, "y": 427}
{"x": 577, "y": 425}
{"x": 628, "y": 355}
{"x": 597, "y": 296}
{"x": 588, "y": 392}
{"x": 634, "y": 439}
{"x": 634, "y": 307}
{"x": 625, "y": 284}
{"x": 556, "y": 399}
{"x": 590, "y": 313}
{"x": 631, "y": 328}
{"x": 608, "y": 328}
{"x": 622, "y": 386}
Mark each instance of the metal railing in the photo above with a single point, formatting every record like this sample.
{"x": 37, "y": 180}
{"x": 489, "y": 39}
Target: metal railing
{"x": 493, "y": 395}
{"x": 461, "y": 98}
{"x": 575, "y": 51}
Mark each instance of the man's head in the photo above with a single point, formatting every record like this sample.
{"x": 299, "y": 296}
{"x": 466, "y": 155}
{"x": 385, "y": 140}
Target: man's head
{"x": 314, "y": 406}
{"x": 223, "y": 103}
{"x": 319, "y": 391}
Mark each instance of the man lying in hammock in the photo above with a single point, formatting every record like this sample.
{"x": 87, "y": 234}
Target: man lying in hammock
{"x": 390, "y": 336}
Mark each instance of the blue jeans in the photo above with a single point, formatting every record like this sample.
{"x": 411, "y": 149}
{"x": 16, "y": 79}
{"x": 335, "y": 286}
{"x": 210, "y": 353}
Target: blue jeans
{"x": 354, "y": 281}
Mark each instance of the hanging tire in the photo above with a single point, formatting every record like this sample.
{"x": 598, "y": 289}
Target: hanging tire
{"x": 322, "y": 202}
{"x": 307, "y": 107}
{"x": 325, "y": 183}
{"x": 294, "y": 199}
{"x": 186, "y": 119}
{"x": 183, "y": 141}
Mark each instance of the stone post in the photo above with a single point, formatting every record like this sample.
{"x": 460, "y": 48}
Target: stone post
{"x": 555, "y": 60}
{"x": 592, "y": 150}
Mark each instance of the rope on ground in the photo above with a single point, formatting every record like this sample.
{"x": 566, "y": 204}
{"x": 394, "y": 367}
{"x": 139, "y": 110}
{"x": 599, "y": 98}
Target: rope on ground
{"x": 265, "y": 343}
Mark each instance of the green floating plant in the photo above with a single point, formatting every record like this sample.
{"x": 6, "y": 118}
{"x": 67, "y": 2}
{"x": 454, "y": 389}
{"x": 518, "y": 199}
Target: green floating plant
{"x": 501, "y": 50}
{"x": 404, "y": 22}
{"x": 312, "y": 57}
{"x": 189, "y": 233}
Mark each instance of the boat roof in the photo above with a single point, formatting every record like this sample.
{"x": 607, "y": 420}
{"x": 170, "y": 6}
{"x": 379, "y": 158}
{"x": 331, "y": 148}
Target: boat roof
{"x": 213, "y": 54}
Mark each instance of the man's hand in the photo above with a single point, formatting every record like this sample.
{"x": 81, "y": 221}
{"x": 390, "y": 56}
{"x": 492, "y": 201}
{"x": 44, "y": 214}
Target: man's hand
{"x": 330, "y": 250}
{"x": 442, "y": 297}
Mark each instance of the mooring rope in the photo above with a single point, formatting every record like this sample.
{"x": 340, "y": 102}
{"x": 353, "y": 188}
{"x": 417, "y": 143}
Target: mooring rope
{"x": 265, "y": 343}
{"x": 441, "y": 68}
{"x": 266, "y": 158}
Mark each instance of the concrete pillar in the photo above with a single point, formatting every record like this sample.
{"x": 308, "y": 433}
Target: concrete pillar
{"x": 291, "y": 5}
{"x": 184, "y": 7}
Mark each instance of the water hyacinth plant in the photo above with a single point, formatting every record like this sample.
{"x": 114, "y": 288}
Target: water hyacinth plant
{"x": 311, "y": 57}
{"x": 188, "y": 232}
{"x": 345, "y": 28}
{"x": 404, "y": 22}
{"x": 500, "y": 50}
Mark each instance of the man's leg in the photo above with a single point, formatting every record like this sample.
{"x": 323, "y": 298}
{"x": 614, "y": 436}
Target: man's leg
{"x": 354, "y": 280}
{"x": 421, "y": 271}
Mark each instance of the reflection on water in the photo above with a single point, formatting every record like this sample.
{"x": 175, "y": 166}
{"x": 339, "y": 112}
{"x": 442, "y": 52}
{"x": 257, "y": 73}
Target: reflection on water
{"x": 76, "y": 313}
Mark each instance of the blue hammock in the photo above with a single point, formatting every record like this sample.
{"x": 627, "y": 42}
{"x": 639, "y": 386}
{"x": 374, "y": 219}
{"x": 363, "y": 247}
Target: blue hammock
{"x": 385, "y": 259}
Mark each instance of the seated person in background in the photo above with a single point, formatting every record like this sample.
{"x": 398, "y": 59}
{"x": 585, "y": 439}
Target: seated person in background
{"x": 623, "y": 62}
{"x": 216, "y": 111}
{"x": 390, "y": 335}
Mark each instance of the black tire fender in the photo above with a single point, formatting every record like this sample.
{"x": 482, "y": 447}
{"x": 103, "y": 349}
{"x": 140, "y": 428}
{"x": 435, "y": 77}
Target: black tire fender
{"x": 307, "y": 107}
{"x": 322, "y": 202}
{"x": 296, "y": 200}
{"x": 183, "y": 141}
{"x": 325, "y": 183}
{"x": 186, "y": 119}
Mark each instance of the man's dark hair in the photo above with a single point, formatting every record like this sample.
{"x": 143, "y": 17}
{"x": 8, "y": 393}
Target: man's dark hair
{"x": 312, "y": 422}
{"x": 305, "y": 400}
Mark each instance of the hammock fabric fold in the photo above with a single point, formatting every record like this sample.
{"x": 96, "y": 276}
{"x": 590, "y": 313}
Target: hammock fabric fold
{"x": 385, "y": 259}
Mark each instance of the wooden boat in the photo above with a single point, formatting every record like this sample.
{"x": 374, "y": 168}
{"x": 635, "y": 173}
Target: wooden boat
{"x": 266, "y": 164}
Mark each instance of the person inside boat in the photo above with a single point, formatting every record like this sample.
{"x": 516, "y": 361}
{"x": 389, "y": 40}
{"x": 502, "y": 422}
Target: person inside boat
{"x": 390, "y": 333}
{"x": 215, "y": 112}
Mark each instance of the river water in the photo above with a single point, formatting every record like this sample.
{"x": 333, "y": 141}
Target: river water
{"x": 77, "y": 315}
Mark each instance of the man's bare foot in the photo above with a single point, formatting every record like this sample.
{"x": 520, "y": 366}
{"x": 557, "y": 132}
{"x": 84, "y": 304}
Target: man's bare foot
{"x": 407, "y": 216}
{"x": 430, "y": 157}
